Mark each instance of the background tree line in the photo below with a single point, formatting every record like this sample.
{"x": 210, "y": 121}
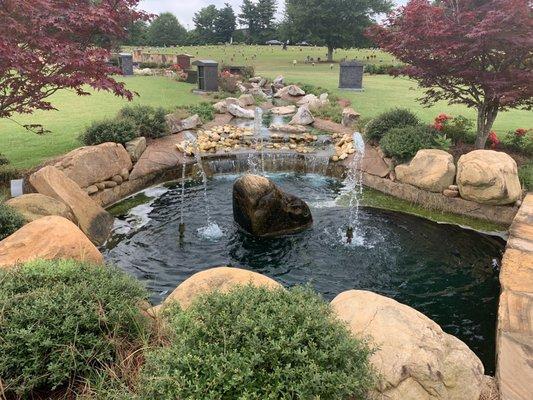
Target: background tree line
{"x": 331, "y": 23}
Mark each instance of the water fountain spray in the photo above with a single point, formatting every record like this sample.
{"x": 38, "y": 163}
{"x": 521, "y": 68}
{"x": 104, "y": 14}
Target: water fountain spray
{"x": 257, "y": 145}
{"x": 182, "y": 223}
{"x": 354, "y": 186}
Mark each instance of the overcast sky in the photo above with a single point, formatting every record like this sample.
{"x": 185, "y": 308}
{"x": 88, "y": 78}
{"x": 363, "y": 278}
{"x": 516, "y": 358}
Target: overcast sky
{"x": 185, "y": 9}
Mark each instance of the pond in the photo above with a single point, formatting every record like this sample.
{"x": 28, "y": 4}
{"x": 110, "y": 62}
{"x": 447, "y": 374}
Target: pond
{"x": 448, "y": 273}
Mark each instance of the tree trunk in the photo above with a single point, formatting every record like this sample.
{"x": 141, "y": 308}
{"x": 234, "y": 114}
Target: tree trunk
{"x": 486, "y": 115}
{"x": 330, "y": 54}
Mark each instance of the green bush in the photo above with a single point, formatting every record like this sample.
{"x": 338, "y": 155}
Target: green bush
{"x": 62, "y": 321}
{"x": 10, "y": 221}
{"x": 459, "y": 129}
{"x": 150, "y": 121}
{"x": 403, "y": 143}
{"x": 110, "y": 130}
{"x": 253, "y": 343}
{"x": 332, "y": 112}
{"x": 380, "y": 69}
{"x": 8, "y": 173}
{"x": 525, "y": 174}
{"x": 3, "y": 160}
{"x": 396, "y": 118}
{"x": 205, "y": 110}
{"x": 317, "y": 91}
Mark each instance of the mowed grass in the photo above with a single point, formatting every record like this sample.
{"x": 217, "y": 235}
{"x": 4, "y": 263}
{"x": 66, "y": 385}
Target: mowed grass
{"x": 382, "y": 92}
{"x": 25, "y": 149}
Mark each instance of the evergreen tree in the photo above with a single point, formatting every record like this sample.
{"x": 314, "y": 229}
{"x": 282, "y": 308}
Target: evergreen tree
{"x": 165, "y": 30}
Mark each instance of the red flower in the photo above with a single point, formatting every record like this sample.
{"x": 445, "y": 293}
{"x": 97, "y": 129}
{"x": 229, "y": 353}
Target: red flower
{"x": 493, "y": 139}
{"x": 438, "y": 126}
{"x": 443, "y": 118}
{"x": 520, "y": 132}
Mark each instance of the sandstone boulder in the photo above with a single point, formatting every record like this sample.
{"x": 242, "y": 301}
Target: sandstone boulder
{"x": 349, "y": 117}
{"x": 295, "y": 91}
{"x": 35, "y": 205}
{"x": 431, "y": 170}
{"x": 295, "y": 129}
{"x": 93, "y": 220}
{"x": 136, "y": 148}
{"x": 488, "y": 177}
{"x": 89, "y": 165}
{"x": 284, "y": 110}
{"x": 262, "y": 209}
{"x": 415, "y": 359}
{"x": 302, "y": 117}
{"x": 246, "y": 100}
{"x": 177, "y": 125}
{"x": 279, "y": 80}
{"x": 239, "y": 112}
{"x": 221, "y": 279}
{"x": 47, "y": 238}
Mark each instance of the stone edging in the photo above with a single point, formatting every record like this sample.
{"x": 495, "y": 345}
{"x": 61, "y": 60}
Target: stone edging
{"x": 514, "y": 342}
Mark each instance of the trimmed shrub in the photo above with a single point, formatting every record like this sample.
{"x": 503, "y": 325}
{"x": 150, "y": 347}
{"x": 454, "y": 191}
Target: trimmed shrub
{"x": 63, "y": 321}
{"x": 255, "y": 343}
{"x": 205, "y": 110}
{"x": 150, "y": 121}
{"x": 525, "y": 174}
{"x": 3, "y": 160}
{"x": 8, "y": 173}
{"x": 109, "y": 130}
{"x": 10, "y": 221}
{"x": 396, "y": 118}
{"x": 403, "y": 143}
{"x": 459, "y": 130}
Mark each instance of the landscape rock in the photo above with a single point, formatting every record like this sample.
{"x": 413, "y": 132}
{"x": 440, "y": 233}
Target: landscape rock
{"x": 295, "y": 91}
{"x": 415, "y": 359}
{"x": 35, "y": 205}
{"x": 246, "y": 100}
{"x": 93, "y": 220}
{"x": 221, "y": 279}
{"x": 284, "y": 110}
{"x": 450, "y": 193}
{"x": 48, "y": 238}
{"x": 92, "y": 189}
{"x": 488, "y": 177}
{"x": 302, "y": 117}
{"x": 431, "y": 169}
{"x": 239, "y": 112}
{"x": 136, "y": 148}
{"x": 349, "y": 117}
{"x": 222, "y": 106}
{"x": 91, "y": 164}
{"x": 177, "y": 125}
{"x": 288, "y": 128}
{"x": 261, "y": 208}
{"x": 160, "y": 155}
{"x": 279, "y": 80}
{"x": 258, "y": 92}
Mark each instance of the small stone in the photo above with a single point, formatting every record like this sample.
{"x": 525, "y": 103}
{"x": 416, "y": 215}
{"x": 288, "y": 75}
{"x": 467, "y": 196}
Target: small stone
{"x": 118, "y": 179}
{"x": 100, "y": 185}
{"x": 451, "y": 193}
{"x": 453, "y": 187}
{"x": 91, "y": 189}
{"x": 125, "y": 174}
{"x": 110, "y": 184}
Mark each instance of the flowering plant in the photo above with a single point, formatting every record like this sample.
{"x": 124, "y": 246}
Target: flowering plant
{"x": 454, "y": 128}
{"x": 493, "y": 140}
{"x": 180, "y": 73}
{"x": 518, "y": 139}
{"x": 228, "y": 81}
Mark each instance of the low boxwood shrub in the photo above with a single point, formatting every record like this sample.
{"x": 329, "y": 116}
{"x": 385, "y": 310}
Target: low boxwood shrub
{"x": 63, "y": 320}
{"x": 10, "y": 221}
{"x": 7, "y": 174}
{"x": 110, "y": 130}
{"x": 253, "y": 343}
{"x": 402, "y": 144}
{"x": 396, "y": 118}
{"x": 150, "y": 121}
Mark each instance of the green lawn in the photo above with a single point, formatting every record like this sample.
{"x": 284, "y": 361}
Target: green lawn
{"x": 382, "y": 92}
{"x": 26, "y": 149}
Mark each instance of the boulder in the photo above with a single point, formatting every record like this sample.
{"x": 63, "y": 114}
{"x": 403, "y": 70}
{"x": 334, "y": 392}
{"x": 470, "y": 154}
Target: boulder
{"x": 415, "y": 359}
{"x": 35, "y": 205}
{"x": 246, "y": 100}
{"x": 48, "y": 238}
{"x": 239, "y": 112}
{"x": 302, "y": 117}
{"x": 295, "y": 91}
{"x": 93, "y": 220}
{"x": 284, "y": 110}
{"x": 262, "y": 209}
{"x": 349, "y": 117}
{"x": 288, "y": 128}
{"x": 177, "y": 125}
{"x": 221, "y": 279}
{"x": 307, "y": 99}
{"x": 279, "y": 81}
{"x": 136, "y": 148}
{"x": 488, "y": 177}
{"x": 431, "y": 170}
{"x": 91, "y": 164}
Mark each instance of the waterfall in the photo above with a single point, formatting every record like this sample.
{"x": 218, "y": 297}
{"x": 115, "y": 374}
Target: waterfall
{"x": 353, "y": 187}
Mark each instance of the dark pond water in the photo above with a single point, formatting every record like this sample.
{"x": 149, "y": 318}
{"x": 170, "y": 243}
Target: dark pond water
{"x": 448, "y": 273}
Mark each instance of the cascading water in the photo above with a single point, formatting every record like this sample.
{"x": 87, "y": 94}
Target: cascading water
{"x": 353, "y": 187}
{"x": 211, "y": 231}
{"x": 253, "y": 162}
{"x": 182, "y": 222}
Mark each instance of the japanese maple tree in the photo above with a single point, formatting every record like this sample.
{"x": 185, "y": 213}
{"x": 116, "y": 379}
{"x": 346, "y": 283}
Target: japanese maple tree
{"x": 473, "y": 52}
{"x": 48, "y": 45}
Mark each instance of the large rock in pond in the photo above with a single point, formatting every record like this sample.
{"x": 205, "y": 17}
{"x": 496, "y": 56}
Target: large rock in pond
{"x": 262, "y": 209}
{"x": 92, "y": 164}
{"x": 47, "y": 238}
{"x": 431, "y": 170}
{"x": 415, "y": 359}
{"x": 93, "y": 220}
{"x": 221, "y": 279}
{"x": 35, "y": 205}
{"x": 488, "y": 177}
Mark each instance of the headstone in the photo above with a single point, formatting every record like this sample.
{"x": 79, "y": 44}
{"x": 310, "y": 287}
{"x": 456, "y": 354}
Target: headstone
{"x": 207, "y": 75}
{"x": 125, "y": 62}
{"x": 351, "y": 75}
{"x": 17, "y": 187}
